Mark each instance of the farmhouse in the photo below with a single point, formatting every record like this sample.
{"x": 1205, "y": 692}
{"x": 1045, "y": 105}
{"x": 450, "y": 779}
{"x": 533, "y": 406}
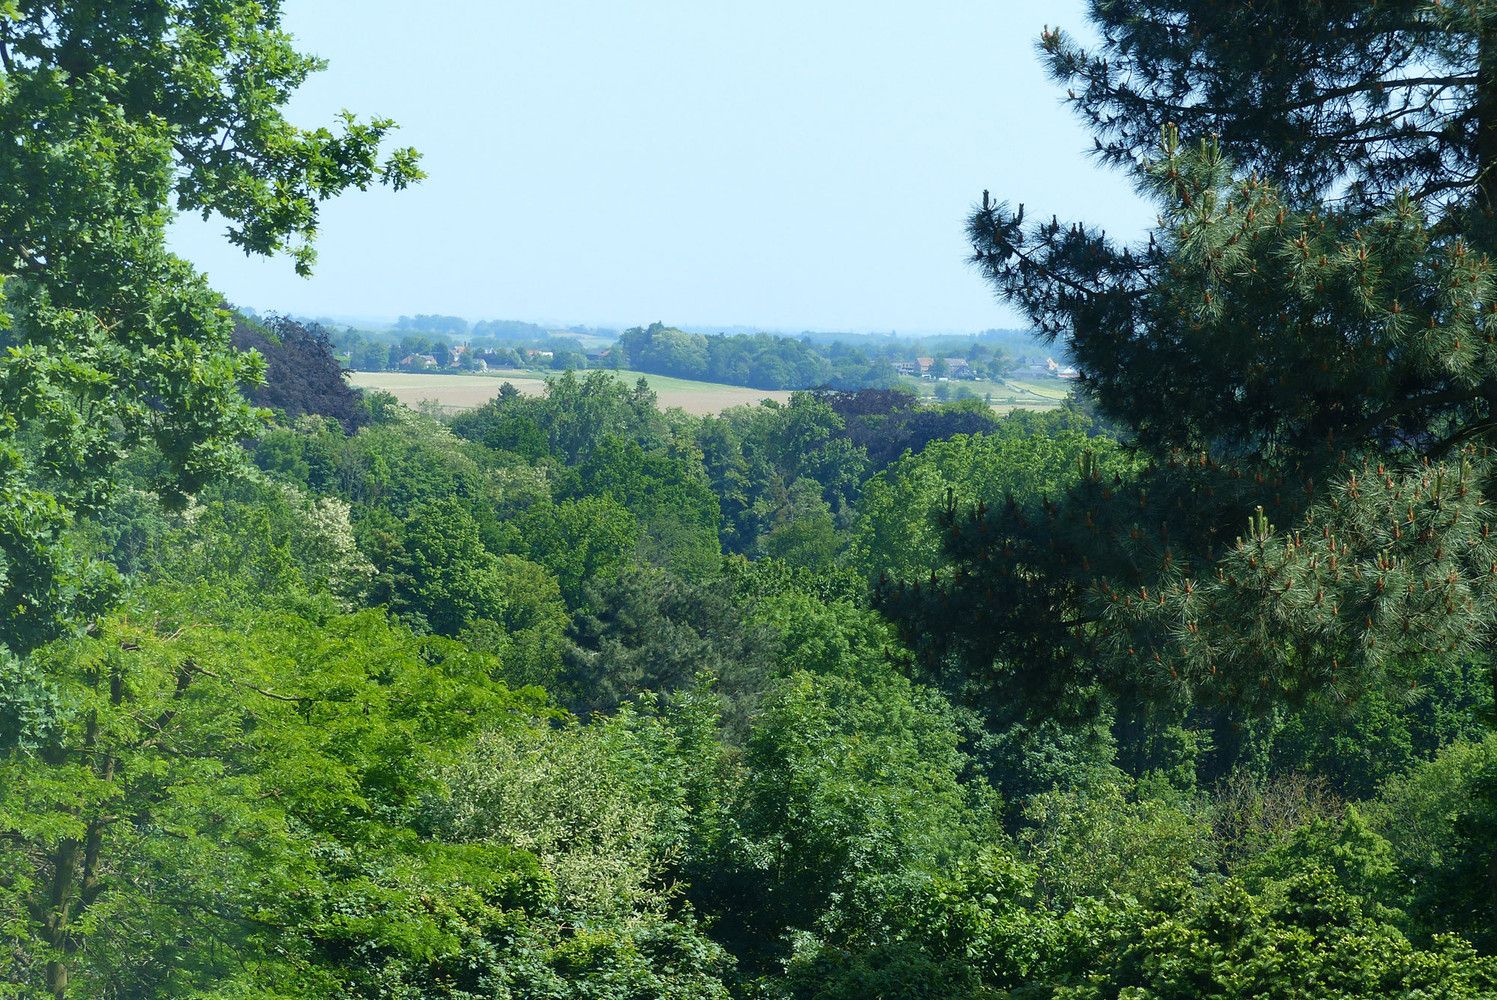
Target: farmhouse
{"x": 959, "y": 368}
{"x": 922, "y": 368}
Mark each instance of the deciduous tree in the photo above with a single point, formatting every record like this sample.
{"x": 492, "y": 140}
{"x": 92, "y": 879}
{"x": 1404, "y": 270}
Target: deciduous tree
{"x": 115, "y": 116}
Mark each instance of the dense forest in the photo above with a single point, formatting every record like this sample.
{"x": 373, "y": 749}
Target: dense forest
{"x": 1182, "y": 690}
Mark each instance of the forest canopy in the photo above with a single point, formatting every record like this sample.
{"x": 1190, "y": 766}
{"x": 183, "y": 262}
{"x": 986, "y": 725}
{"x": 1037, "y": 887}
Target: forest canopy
{"x": 1181, "y": 689}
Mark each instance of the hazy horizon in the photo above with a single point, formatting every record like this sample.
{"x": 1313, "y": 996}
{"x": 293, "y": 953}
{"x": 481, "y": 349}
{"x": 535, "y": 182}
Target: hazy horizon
{"x": 383, "y": 321}
{"x": 610, "y": 165}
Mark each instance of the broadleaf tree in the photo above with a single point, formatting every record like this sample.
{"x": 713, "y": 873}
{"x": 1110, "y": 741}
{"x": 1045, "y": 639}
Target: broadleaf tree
{"x": 116, "y": 116}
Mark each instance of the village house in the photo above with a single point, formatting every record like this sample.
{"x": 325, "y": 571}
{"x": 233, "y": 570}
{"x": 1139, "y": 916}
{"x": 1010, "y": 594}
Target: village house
{"x": 921, "y": 368}
{"x": 958, "y": 368}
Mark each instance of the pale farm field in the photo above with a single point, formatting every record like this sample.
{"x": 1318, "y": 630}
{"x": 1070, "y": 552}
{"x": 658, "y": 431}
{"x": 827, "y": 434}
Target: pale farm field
{"x": 456, "y": 393}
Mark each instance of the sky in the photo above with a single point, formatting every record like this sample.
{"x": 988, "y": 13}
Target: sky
{"x": 782, "y": 165}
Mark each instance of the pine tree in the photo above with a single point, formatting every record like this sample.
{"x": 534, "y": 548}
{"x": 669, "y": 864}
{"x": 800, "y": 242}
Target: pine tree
{"x": 1302, "y": 350}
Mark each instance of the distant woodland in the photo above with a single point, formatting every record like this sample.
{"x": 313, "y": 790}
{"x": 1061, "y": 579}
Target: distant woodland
{"x": 759, "y": 361}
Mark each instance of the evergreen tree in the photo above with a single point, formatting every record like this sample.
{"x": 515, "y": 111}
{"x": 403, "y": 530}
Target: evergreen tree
{"x": 1301, "y": 352}
{"x": 1323, "y": 96}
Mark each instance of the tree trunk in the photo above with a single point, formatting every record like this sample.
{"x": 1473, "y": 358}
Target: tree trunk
{"x": 75, "y": 865}
{"x": 55, "y": 928}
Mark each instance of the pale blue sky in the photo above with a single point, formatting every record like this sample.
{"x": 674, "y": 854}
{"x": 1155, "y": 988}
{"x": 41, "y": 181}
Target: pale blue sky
{"x": 783, "y": 164}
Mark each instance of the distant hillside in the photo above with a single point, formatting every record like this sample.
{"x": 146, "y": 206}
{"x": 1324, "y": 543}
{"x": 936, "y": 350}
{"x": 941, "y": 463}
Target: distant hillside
{"x": 1016, "y": 343}
{"x": 731, "y": 356}
{"x": 842, "y": 361}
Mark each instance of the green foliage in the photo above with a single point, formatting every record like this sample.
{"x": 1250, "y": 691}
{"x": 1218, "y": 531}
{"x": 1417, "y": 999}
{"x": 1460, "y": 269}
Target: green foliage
{"x": 898, "y": 530}
{"x": 255, "y": 539}
{"x": 278, "y": 805}
{"x": 649, "y": 630}
{"x": 886, "y": 424}
{"x": 1304, "y": 937}
{"x": 573, "y": 418}
{"x": 244, "y": 782}
{"x": 1362, "y": 862}
{"x": 667, "y": 492}
{"x": 455, "y": 580}
{"x": 666, "y": 350}
{"x": 1026, "y": 751}
{"x": 28, "y": 705}
{"x": 1322, "y": 77}
{"x": 1114, "y": 839}
{"x": 592, "y": 539}
{"x": 800, "y": 528}
{"x": 1380, "y": 551}
{"x": 852, "y": 776}
{"x": 963, "y": 933}
{"x": 116, "y": 117}
{"x": 767, "y": 578}
{"x": 406, "y": 460}
{"x": 756, "y": 456}
{"x": 978, "y": 933}
{"x": 804, "y": 440}
{"x": 1441, "y": 820}
{"x": 598, "y": 805}
{"x": 606, "y": 809}
{"x": 828, "y": 636}
{"x": 762, "y": 361}
{"x": 309, "y": 451}
{"x": 296, "y": 759}
{"x": 528, "y": 635}
{"x": 1300, "y": 352}
{"x": 1360, "y": 746}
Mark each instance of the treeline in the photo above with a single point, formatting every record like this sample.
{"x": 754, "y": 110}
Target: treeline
{"x": 508, "y": 330}
{"x": 758, "y": 360}
{"x": 499, "y": 346}
{"x": 765, "y": 361}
